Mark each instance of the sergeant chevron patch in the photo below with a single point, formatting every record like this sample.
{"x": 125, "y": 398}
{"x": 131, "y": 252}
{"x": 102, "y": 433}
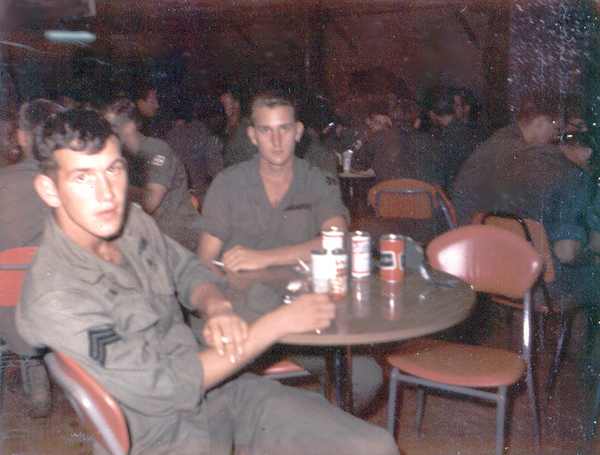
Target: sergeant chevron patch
{"x": 98, "y": 339}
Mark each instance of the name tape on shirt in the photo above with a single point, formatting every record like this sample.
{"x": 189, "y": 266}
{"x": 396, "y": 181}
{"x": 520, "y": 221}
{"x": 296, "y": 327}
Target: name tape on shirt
{"x": 158, "y": 160}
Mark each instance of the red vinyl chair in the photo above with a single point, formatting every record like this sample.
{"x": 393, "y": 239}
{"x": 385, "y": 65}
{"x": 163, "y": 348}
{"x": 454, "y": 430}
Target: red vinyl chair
{"x": 411, "y": 199}
{"x": 13, "y": 264}
{"x": 96, "y": 408}
{"x": 493, "y": 261}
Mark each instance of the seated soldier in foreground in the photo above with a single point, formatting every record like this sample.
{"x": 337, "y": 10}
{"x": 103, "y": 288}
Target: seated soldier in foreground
{"x": 104, "y": 289}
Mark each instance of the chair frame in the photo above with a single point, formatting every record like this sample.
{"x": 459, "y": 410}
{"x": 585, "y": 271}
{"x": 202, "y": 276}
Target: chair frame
{"x": 566, "y": 318}
{"x": 500, "y": 396}
{"x": 68, "y": 374}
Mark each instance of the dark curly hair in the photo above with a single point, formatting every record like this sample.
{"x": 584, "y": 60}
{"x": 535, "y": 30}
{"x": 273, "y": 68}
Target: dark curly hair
{"x": 78, "y": 129}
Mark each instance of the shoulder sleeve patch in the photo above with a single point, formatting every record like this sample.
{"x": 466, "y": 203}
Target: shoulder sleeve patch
{"x": 98, "y": 340}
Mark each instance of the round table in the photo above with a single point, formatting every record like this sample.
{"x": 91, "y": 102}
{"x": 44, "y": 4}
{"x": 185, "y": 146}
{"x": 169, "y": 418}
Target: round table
{"x": 377, "y": 312}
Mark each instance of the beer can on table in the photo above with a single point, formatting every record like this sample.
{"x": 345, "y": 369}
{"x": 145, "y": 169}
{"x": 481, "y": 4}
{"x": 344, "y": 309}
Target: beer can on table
{"x": 347, "y": 160}
{"x": 392, "y": 257}
{"x": 338, "y": 281}
{"x": 333, "y": 239}
{"x": 321, "y": 266}
{"x": 360, "y": 247}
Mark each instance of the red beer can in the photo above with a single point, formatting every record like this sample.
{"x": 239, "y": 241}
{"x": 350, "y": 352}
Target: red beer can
{"x": 391, "y": 264}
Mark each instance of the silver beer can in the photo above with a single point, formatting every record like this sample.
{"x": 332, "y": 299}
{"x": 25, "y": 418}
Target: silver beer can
{"x": 321, "y": 262}
{"x": 360, "y": 247}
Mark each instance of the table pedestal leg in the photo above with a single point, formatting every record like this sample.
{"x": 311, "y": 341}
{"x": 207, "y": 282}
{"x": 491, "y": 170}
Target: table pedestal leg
{"x": 340, "y": 377}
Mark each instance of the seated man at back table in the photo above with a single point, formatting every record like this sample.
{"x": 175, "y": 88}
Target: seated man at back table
{"x": 158, "y": 178}
{"x": 104, "y": 289}
{"x": 521, "y": 170}
{"x": 269, "y": 211}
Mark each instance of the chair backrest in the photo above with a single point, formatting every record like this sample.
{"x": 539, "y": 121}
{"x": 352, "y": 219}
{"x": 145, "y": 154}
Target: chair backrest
{"x": 532, "y": 231}
{"x": 491, "y": 259}
{"x": 13, "y": 264}
{"x": 93, "y": 404}
{"x": 410, "y": 198}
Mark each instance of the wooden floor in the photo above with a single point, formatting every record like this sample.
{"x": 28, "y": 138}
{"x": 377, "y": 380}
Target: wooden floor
{"x": 451, "y": 425}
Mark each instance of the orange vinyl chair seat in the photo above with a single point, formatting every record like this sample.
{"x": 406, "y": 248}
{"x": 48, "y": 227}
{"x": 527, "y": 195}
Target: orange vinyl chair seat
{"x": 458, "y": 364}
{"x": 284, "y": 369}
{"x": 96, "y": 408}
{"x": 13, "y": 264}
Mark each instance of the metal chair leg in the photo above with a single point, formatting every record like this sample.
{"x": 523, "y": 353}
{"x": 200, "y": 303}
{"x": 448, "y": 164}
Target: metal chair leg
{"x": 392, "y": 396}
{"x": 533, "y": 404}
{"x": 562, "y": 343}
{"x": 420, "y": 409}
{"x": 500, "y": 420}
{"x": 528, "y": 355}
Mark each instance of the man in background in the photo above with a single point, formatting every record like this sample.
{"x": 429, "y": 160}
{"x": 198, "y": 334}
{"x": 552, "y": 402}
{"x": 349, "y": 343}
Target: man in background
{"x": 159, "y": 180}
{"x": 22, "y": 218}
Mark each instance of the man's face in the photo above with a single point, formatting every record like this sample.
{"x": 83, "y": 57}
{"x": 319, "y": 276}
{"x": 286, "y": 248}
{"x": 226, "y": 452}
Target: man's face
{"x": 149, "y": 105}
{"x": 275, "y": 133}
{"x": 461, "y": 109}
{"x": 230, "y": 104}
{"x": 89, "y": 193}
{"x": 379, "y": 122}
{"x": 547, "y": 129}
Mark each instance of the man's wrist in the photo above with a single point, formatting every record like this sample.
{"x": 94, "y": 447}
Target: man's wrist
{"x": 217, "y": 305}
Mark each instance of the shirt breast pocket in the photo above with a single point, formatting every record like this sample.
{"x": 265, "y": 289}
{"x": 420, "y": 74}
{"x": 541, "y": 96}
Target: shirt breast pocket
{"x": 298, "y": 225}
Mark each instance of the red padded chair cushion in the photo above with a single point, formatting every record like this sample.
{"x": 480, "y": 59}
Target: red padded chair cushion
{"x": 458, "y": 364}
{"x": 283, "y": 367}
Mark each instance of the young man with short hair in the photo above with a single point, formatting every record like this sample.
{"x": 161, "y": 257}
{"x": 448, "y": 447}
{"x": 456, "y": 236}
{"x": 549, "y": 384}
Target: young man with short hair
{"x": 104, "y": 288}
{"x": 158, "y": 178}
{"x": 270, "y": 209}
